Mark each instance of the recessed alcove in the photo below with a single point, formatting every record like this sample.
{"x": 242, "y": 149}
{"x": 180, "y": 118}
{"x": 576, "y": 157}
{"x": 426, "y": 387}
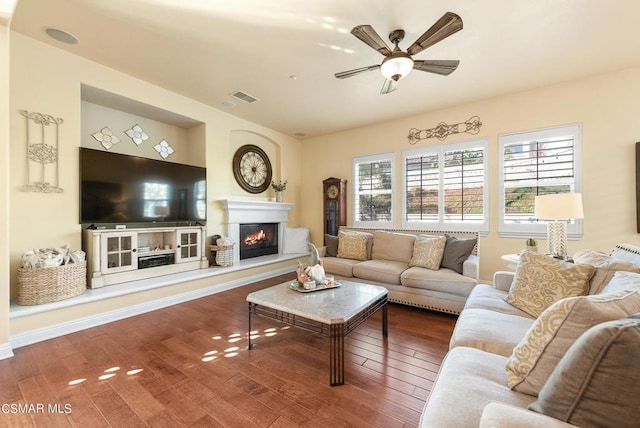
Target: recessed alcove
{"x": 100, "y": 109}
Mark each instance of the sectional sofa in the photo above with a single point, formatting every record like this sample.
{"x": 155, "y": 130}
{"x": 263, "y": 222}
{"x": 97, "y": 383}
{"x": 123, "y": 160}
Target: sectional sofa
{"x": 428, "y": 269}
{"x": 526, "y": 352}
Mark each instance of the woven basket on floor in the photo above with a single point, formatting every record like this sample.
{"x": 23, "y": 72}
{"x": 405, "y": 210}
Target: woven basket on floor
{"x": 221, "y": 255}
{"x": 51, "y": 284}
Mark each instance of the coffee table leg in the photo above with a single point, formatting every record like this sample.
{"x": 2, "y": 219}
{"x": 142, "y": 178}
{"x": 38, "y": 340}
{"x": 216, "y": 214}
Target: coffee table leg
{"x": 385, "y": 331}
{"x": 336, "y": 359}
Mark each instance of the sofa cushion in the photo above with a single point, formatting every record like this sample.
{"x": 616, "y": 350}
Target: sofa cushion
{"x": 428, "y": 251}
{"x": 623, "y": 281}
{"x": 331, "y": 242}
{"x": 490, "y": 331}
{"x": 380, "y": 270}
{"x": 353, "y": 245}
{"x": 444, "y": 280}
{"x": 596, "y": 382}
{"x": 485, "y": 296}
{"x": 397, "y": 247}
{"x": 541, "y": 281}
{"x": 468, "y": 380}
{"x": 556, "y": 329}
{"x": 606, "y": 266}
{"x": 456, "y": 251}
{"x": 338, "y": 266}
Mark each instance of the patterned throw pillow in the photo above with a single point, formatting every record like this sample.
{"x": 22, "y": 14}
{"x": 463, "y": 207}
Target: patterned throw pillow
{"x": 428, "y": 251}
{"x": 540, "y": 281}
{"x": 551, "y": 335}
{"x": 353, "y": 245}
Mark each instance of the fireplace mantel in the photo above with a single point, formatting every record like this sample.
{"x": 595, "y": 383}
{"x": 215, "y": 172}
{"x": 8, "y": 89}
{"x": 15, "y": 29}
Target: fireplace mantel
{"x": 244, "y": 211}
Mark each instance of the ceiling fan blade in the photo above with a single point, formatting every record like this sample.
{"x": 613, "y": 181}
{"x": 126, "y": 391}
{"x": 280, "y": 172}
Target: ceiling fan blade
{"x": 447, "y": 25}
{"x": 389, "y": 85}
{"x": 442, "y": 67}
{"x": 368, "y": 35}
{"x": 349, "y": 73}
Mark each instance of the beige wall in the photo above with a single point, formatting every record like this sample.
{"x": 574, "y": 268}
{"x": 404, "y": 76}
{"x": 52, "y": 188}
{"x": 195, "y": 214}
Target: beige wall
{"x": 48, "y": 80}
{"x": 606, "y": 105}
{"x": 4, "y": 180}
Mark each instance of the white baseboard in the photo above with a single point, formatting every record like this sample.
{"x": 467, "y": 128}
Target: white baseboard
{"x": 45, "y": 333}
{"x": 5, "y": 351}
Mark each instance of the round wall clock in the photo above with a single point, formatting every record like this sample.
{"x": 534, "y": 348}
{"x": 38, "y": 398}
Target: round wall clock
{"x": 252, "y": 168}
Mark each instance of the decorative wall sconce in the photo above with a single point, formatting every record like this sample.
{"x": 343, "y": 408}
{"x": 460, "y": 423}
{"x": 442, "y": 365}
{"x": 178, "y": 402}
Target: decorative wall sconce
{"x": 442, "y": 131}
{"x": 39, "y": 152}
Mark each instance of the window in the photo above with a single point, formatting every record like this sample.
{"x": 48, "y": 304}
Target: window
{"x": 373, "y": 186}
{"x": 535, "y": 163}
{"x": 445, "y": 186}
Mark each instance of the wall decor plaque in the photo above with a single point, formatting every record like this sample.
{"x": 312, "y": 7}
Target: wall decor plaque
{"x": 442, "y": 131}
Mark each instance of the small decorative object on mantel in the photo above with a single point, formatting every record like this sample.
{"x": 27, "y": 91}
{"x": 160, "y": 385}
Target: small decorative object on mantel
{"x": 532, "y": 245}
{"x": 442, "y": 131}
{"x": 51, "y": 274}
{"x": 42, "y": 153}
{"x": 164, "y": 149}
{"x": 137, "y": 134}
{"x": 106, "y": 137}
{"x": 279, "y": 187}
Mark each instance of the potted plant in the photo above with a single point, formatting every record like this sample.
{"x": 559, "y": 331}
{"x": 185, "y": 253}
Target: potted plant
{"x": 532, "y": 245}
{"x": 279, "y": 187}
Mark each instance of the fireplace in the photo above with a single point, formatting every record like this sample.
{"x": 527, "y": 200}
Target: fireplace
{"x": 241, "y": 212}
{"x": 258, "y": 239}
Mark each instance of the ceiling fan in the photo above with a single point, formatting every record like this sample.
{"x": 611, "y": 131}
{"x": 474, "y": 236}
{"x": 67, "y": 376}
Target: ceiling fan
{"x": 398, "y": 64}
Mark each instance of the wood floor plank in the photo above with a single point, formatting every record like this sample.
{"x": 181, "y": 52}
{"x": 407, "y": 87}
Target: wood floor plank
{"x": 189, "y": 365}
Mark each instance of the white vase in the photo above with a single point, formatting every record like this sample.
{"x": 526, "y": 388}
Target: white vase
{"x": 279, "y": 196}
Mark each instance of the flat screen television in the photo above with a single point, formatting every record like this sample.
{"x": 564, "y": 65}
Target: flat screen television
{"x": 117, "y": 188}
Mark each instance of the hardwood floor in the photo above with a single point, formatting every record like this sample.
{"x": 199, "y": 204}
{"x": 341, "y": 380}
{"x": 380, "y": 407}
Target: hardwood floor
{"x": 188, "y": 366}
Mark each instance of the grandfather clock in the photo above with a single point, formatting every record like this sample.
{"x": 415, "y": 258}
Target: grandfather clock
{"x": 335, "y": 204}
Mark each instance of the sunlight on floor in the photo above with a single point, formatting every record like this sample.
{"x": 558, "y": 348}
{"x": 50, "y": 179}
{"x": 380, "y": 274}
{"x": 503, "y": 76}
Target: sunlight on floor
{"x": 108, "y": 374}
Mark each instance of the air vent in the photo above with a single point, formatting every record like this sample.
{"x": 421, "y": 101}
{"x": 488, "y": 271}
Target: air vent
{"x": 243, "y": 96}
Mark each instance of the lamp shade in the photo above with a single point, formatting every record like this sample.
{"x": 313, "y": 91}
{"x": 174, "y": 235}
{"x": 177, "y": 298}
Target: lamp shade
{"x": 559, "y": 206}
{"x": 396, "y": 66}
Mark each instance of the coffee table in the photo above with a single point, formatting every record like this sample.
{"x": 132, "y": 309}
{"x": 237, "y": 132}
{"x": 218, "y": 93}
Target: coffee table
{"x": 333, "y": 313}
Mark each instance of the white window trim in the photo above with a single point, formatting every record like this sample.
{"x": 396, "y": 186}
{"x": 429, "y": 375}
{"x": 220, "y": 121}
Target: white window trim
{"x": 539, "y": 229}
{"x": 482, "y": 228}
{"x": 354, "y": 199}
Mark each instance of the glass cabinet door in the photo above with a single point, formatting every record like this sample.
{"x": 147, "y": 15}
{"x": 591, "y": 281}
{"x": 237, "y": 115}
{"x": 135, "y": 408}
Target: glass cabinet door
{"x": 120, "y": 251}
{"x": 188, "y": 245}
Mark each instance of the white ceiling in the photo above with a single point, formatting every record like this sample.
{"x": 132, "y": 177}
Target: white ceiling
{"x": 208, "y": 49}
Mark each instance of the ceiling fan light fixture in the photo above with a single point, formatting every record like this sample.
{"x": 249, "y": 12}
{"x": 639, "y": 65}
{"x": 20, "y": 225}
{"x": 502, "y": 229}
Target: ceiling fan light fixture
{"x": 396, "y": 66}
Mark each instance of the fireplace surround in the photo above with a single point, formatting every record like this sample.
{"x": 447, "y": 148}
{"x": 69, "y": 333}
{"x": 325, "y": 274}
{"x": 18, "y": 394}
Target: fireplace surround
{"x": 243, "y": 212}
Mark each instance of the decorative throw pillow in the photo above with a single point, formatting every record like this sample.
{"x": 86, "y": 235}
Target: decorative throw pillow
{"x": 296, "y": 240}
{"x": 540, "y": 281}
{"x": 606, "y": 266}
{"x": 596, "y": 383}
{"x": 623, "y": 281}
{"x": 551, "y": 335}
{"x": 428, "y": 251}
{"x": 331, "y": 242}
{"x": 456, "y": 251}
{"x": 353, "y": 245}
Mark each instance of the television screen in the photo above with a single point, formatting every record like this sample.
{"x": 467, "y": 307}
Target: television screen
{"x": 116, "y": 188}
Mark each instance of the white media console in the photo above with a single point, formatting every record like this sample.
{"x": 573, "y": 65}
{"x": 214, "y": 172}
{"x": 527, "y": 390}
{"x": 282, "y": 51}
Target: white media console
{"x": 121, "y": 255}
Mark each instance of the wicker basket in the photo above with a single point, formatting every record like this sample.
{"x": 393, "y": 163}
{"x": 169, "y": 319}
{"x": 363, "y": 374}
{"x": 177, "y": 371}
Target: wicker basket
{"x": 221, "y": 255}
{"x": 51, "y": 284}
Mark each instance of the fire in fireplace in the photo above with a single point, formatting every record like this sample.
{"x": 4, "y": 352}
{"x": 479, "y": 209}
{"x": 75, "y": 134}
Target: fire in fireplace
{"x": 258, "y": 239}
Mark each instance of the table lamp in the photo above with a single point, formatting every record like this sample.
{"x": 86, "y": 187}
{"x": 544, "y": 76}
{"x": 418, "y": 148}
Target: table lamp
{"x": 560, "y": 208}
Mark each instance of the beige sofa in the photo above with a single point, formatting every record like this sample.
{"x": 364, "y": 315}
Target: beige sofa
{"x": 387, "y": 262}
{"x": 471, "y": 389}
